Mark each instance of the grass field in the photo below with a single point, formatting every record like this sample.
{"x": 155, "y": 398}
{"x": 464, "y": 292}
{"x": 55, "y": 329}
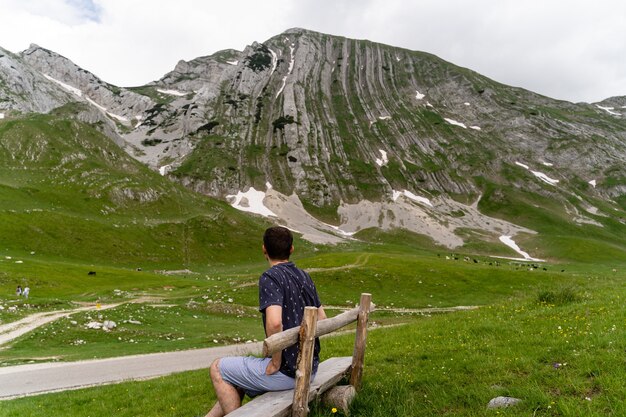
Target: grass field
{"x": 554, "y": 339}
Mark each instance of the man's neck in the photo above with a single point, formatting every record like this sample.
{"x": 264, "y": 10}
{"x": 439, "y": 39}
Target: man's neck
{"x": 274, "y": 262}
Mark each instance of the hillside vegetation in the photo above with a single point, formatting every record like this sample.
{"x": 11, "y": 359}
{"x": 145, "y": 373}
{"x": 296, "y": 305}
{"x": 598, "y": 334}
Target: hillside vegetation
{"x": 67, "y": 191}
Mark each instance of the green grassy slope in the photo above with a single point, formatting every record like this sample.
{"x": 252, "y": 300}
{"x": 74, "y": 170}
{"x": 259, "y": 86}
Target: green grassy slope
{"x": 67, "y": 191}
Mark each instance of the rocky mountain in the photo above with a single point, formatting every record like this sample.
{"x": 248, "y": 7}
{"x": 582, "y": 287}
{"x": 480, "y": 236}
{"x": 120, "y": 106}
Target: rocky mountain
{"x": 308, "y": 127}
{"x": 24, "y": 89}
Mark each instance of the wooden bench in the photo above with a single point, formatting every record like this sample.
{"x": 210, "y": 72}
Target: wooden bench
{"x": 295, "y": 402}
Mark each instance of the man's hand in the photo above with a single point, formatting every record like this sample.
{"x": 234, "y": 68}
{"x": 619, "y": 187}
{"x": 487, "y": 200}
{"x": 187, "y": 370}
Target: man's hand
{"x": 272, "y": 367}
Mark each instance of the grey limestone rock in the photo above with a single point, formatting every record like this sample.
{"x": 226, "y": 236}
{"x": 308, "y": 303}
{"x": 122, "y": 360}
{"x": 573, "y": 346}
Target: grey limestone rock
{"x": 503, "y": 402}
{"x": 24, "y": 89}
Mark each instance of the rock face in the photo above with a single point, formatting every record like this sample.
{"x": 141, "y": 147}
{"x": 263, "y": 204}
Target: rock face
{"x": 118, "y": 104}
{"x": 24, "y": 89}
{"x": 348, "y": 126}
{"x": 340, "y": 120}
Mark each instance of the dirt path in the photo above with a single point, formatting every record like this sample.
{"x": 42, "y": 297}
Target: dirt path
{"x": 360, "y": 261}
{"x": 13, "y": 330}
{"x": 34, "y": 379}
{"x": 25, "y": 380}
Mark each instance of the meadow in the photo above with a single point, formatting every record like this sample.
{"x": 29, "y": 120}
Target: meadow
{"x": 554, "y": 338}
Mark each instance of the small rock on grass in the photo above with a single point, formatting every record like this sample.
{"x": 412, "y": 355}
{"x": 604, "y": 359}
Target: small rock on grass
{"x": 502, "y": 402}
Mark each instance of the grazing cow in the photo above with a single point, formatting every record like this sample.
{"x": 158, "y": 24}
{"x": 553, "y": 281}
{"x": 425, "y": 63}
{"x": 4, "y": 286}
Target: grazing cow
{"x": 91, "y": 273}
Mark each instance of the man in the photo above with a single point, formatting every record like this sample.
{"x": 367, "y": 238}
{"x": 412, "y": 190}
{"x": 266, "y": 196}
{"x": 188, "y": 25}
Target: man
{"x": 284, "y": 291}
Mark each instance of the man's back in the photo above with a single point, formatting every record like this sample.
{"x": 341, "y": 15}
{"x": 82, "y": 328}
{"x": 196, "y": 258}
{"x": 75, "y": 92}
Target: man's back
{"x": 291, "y": 288}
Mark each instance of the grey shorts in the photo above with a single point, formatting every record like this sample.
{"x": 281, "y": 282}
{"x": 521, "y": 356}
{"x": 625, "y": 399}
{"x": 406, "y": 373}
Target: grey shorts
{"x": 248, "y": 374}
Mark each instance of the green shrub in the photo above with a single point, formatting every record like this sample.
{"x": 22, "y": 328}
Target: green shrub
{"x": 151, "y": 142}
{"x": 260, "y": 60}
{"x": 282, "y": 121}
{"x": 562, "y": 296}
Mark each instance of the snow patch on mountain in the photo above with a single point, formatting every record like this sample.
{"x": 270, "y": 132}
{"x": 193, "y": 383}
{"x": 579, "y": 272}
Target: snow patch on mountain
{"x": 67, "y": 87}
{"x": 383, "y": 160}
{"x": 165, "y": 169}
{"x": 232, "y": 63}
{"x": 104, "y": 109}
{"x": 341, "y": 232}
{"x": 609, "y": 110}
{"x": 455, "y": 123}
{"x": 410, "y": 195}
{"x": 1, "y": 115}
{"x": 507, "y": 240}
{"x": 543, "y": 177}
{"x": 593, "y": 183}
{"x": 252, "y": 202}
{"x": 548, "y": 164}
{"x": 172, "y": 92}
{"x": 274, "y": 61}
{"x": 419, "y": 95}
{"x": 475, "y": 127}
{"x": 293, "y": 59}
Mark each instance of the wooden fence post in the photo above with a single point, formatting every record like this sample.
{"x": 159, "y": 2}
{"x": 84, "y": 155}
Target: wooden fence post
{"x": 305, "y": 363}
{"x": 359, "y": 341}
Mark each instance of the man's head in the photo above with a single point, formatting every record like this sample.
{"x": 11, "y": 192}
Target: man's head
{"x": 278, "y": 243}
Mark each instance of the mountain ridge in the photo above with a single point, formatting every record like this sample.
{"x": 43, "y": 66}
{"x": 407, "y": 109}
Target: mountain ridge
{"x": 352, "y": 131}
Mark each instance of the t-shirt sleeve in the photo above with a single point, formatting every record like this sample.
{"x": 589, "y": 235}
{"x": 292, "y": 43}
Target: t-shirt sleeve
{"x": 270, "y": 292}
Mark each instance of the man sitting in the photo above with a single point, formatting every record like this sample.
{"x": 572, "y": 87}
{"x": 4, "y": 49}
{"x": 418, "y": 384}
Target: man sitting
{"x": 284, "y": 291}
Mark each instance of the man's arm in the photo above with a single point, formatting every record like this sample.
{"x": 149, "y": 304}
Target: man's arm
{"x": 273, "y": 325}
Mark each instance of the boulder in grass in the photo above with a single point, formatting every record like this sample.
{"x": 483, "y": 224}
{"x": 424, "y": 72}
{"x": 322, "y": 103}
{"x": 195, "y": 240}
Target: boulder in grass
{"x": 94, "y": 325}
{"x": 108, "y": 325}
{"x": 503, "y": 402}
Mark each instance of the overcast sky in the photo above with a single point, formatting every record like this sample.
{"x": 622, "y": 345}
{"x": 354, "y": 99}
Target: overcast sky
{"x": 567, "y": 49}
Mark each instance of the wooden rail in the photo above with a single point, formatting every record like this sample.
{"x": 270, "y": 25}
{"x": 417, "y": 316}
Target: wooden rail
{"x": 284, "y": 339}
{"x": 306, "y": 334}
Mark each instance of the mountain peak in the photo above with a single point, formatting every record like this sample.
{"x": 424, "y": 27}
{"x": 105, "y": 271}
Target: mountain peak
{"x": 296, "y": 30}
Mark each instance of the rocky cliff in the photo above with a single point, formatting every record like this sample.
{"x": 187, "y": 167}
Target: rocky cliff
{"x": 361, "y": 134}
{"x": 24, "y": 89}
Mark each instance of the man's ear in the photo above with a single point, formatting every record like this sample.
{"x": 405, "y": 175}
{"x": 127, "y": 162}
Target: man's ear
{"x": 291, "y": 250}
{"x": 264, "y": 250}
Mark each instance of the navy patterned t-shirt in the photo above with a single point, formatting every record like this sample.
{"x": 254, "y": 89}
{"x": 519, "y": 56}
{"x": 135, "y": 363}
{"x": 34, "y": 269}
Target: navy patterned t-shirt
{"x": 291, "y": 288}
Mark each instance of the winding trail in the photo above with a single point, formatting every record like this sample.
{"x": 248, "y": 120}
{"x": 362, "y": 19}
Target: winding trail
{"x": 34, "y": 379}
{"x": 40, "y": 378}
{"x": 13, "y": 330}
{"x": 361, "y": 260}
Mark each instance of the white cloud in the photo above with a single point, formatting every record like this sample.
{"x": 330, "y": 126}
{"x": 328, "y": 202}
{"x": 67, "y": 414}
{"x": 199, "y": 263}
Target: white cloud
{"x": 564, "y": 49}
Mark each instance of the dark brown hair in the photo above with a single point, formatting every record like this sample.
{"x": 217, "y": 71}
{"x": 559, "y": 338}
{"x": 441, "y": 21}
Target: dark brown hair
{"x": 278, "y": 241}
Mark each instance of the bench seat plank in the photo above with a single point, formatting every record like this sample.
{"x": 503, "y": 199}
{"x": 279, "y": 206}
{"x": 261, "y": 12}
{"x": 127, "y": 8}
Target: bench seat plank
{"x": 278, "y": 403}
